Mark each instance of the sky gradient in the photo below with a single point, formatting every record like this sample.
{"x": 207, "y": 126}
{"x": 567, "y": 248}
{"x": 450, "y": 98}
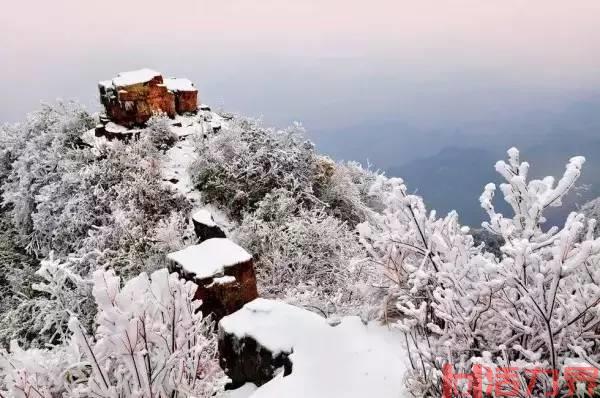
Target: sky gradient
{"x": 328, "y": 63}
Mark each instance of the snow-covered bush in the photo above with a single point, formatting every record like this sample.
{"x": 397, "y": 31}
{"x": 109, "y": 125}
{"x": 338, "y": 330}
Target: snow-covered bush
{"x": 158, "y": 131}
{"x": 239, "y": 166}
{"x": 591, "y": 210}
{"x": 17, "y": 268}
{"x": 306, "y": 256}
{"x": 42, "y": 317}
{"x": 535, "y": 307}
{"x": 42, "y": 149}
{"x": 151, "y": 340}
{"x": 344, "y": 189}
{"x": 39, "y": 373}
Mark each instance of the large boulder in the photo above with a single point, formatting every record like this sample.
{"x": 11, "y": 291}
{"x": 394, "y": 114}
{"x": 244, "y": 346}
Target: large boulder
{"x": 223, "y": 271}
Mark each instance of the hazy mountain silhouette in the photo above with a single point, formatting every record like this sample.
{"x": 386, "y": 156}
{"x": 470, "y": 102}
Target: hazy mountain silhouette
{"x": 449, "y": 168}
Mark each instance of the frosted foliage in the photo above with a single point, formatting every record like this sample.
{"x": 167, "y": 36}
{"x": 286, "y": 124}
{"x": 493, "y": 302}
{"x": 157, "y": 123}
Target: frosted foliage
{"x": 537, "y": 305}
{"x": 38, "y": 373}
{"x": 244, "y": 162}
{"x": 66, "y": 294}
{"x": 43, "y": 148}
{"x": 150, "y": 341}
{"x": 306, "y": 256}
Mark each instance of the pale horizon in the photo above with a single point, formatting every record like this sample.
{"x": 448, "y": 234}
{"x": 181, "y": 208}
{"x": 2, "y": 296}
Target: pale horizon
{"x": 327, "y": 63}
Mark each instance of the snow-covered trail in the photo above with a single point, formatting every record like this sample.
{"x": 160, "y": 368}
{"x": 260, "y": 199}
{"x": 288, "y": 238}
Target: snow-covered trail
{"x": 179, "y": 157}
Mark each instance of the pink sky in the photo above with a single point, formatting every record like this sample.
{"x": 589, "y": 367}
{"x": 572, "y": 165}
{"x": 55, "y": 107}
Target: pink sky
{"x": 549, "y": 44}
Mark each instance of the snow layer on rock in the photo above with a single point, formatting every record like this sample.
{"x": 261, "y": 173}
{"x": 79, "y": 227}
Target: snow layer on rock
{"x": 222, "y": 280}
{"x": 210, "y": 258}
{"x": 177, "y": 84}
{"x": 112, "y": 127}
{"x": 203, "y": 216}
{"x": 106, "y": 83}
{"x": 244, "y": 391}
{"x": 348, "y": 360}
{"x": 135, "y": 77}
{"x": 220, "y": 218}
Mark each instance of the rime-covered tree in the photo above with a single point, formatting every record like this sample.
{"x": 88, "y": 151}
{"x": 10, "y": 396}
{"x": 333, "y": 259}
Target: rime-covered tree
{"x": 535, "y": 306}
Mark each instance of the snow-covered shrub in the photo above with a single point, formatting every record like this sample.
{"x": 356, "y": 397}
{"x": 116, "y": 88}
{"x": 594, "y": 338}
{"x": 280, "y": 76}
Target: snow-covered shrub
{"x": 42, "y": 318}
{"x": 344, "y": 189}
{"x": 537, "y": 306}
{"x": 306, "y": 256}
{"x": 42, "y": 149}
{"x": 239, "y": 166}
{"x": 17, "y": 268}
{"x": 151, "y": 340}
{"x": 39, "y": 373}
{"x": 158, "y": 131}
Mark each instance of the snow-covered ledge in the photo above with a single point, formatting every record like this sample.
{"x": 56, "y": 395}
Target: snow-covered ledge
{"x": 319, "y": 360}
{"x": 223, "y": 271}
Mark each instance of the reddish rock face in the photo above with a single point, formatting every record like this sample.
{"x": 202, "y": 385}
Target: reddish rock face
{"x": 133, "y": 97}
{"x": 223, "y": 296}
{"x": 223, "y": 272}
{"x": 186, "y": 101}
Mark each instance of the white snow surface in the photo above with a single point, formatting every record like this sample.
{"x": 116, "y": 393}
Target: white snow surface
{"x": 106, "y": 83}
{"x": 178, "y": 84}
{"x": 203, "y": 216}
{"x": 116, "y": 128}
{"x": 348, "y": 360}
{"x": 210, "y": 258}
{"x": 135, "y": 77}
{"x": 243, "y": 392}
{"x": 223, "y": 280}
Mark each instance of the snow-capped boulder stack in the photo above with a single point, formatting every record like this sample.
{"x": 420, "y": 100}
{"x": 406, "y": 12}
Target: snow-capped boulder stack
{"x": 131, "y": 98}
{"x": 223, "y": 271}
{"x": 186, "y": 95}
{"x": 319, "y": 360}
{"x": 205, "y": 226}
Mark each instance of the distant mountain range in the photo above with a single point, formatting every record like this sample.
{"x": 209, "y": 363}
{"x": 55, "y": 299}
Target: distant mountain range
{"x": 449, "y": 168}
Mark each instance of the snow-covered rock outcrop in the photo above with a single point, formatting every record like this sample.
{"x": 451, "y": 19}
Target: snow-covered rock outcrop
{"x": 223, "y": 271}
{"x": 131, "y": 98}
{"x": 319, "y": 360}
{"x": 205, "y": 226}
